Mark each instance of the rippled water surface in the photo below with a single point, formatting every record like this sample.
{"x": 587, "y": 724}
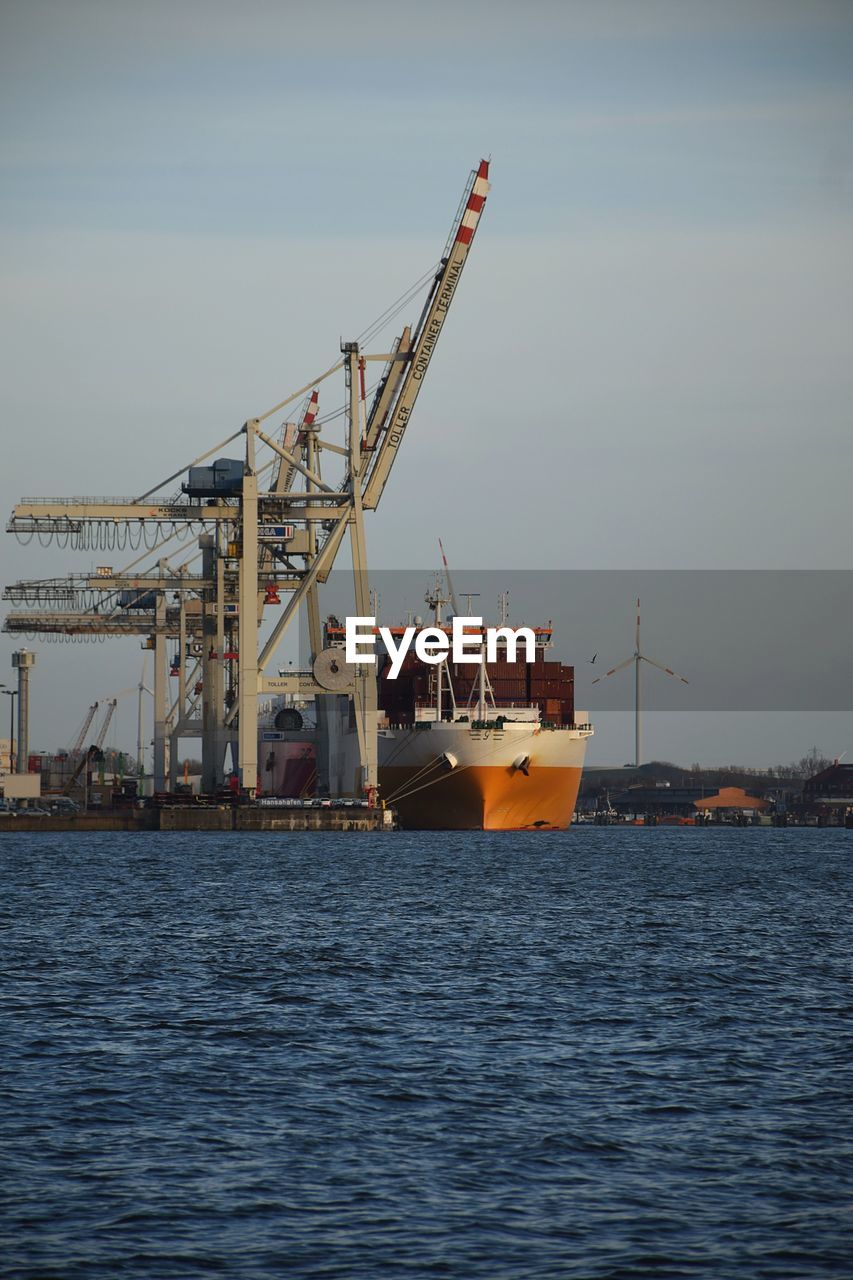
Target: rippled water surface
{"x": 602, "y": 1053}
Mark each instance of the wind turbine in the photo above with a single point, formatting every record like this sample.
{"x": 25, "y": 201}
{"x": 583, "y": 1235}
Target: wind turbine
{"x": 638, "y": 657}
{"x": 141, "y": 688}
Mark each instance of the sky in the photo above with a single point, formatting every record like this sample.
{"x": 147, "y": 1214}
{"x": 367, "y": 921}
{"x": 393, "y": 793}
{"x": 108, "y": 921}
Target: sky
{"x": 648, "y": 363}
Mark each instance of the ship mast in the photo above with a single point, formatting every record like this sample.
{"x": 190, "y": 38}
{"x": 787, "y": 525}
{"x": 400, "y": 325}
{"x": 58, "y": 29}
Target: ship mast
{"x": 436, "y": 602}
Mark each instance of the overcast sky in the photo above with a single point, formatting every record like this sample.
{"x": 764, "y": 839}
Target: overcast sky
{"x": 648, "y": 364}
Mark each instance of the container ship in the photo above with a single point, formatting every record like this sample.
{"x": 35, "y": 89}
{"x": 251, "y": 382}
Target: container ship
{"x": 496, "y": 746}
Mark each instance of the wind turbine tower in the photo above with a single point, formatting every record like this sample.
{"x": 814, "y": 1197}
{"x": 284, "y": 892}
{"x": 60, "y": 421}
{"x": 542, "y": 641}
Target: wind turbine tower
{"x": 141, "y": 688}
{"x": 638, "y": 657}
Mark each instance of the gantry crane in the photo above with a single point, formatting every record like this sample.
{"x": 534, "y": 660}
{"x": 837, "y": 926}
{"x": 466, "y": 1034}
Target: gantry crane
{"x": 116, "y": 603}
{"x": 371, "y": 453}
{"x": 251, "y": 538}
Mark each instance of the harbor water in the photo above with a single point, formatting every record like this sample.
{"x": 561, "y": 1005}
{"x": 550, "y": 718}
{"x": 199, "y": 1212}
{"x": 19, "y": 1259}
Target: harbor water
{"x": 600, "y": 1053}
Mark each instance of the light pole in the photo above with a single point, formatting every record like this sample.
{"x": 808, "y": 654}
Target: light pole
{"x": 11, "y": 693}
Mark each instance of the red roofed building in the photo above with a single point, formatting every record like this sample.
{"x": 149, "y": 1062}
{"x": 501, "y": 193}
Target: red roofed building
{"x": 734, "y": 798}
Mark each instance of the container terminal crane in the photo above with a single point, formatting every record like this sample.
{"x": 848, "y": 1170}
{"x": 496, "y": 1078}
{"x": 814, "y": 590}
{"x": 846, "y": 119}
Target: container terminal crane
{"x": 267, "y": 528}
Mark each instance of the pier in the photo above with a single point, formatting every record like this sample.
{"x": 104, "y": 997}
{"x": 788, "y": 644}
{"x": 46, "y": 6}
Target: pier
{"x": 183, "y": 817}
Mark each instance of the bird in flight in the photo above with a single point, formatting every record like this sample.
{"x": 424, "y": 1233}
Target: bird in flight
{"x": 594, "y": 656}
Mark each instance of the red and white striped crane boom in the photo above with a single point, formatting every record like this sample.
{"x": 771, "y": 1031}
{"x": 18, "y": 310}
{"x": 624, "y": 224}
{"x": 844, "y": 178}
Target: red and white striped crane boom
{"x": 294, "y": 442}
{"x": 390, "y": 412}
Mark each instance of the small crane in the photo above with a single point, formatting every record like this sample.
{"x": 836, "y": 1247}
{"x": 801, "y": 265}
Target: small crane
{"x": 94, "y": 749}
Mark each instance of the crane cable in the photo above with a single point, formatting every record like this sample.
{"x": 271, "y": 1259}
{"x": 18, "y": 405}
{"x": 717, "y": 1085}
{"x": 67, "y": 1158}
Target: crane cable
{"x": 381, "y": 321}
{"x": 365, "y": 336}
{"x": 425, "y": 769}
{"x": 368, "y": 334}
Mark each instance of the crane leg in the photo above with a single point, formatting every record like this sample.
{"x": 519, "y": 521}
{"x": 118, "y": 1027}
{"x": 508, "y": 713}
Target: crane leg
{"x": 160, "y": 695}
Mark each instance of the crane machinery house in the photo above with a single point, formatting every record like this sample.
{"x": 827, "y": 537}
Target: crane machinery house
{"x": 223, "y": 479}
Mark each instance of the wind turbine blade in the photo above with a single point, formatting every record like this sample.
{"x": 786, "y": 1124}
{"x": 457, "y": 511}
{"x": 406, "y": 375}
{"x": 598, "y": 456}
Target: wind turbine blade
{"x": 666, "y": 670}
{"x": 613, "y": 670}
{"x": 637, "y": 645}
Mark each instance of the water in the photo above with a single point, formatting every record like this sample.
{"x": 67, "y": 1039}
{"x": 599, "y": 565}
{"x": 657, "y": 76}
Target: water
{"x": 607, "y": 1053}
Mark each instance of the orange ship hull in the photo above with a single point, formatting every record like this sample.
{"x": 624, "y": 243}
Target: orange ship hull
{"x": 484, "y": 798}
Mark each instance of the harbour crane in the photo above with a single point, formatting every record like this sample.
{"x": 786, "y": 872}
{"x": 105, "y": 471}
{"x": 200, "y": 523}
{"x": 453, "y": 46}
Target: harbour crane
{"x": 257, "y": 542}
{"x": 94, "y": 749}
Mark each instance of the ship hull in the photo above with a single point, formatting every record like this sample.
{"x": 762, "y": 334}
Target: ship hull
{"x": 484, "y": 790}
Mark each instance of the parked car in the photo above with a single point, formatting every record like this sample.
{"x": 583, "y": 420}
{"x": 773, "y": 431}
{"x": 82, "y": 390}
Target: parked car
{"x": 63, "y": 804}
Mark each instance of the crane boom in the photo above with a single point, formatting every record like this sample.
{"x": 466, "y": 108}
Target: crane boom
{"x": 102, "y": 733}
{"x": 80, "y": 766}
{"x": 387, "y": 390}
{"x": 284, "y": 472}
{"x": 94, "y": 748}
{"x": 81, "y": 736}
{"x": 428, "y": 330}
{"x": 294, "y": 437}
